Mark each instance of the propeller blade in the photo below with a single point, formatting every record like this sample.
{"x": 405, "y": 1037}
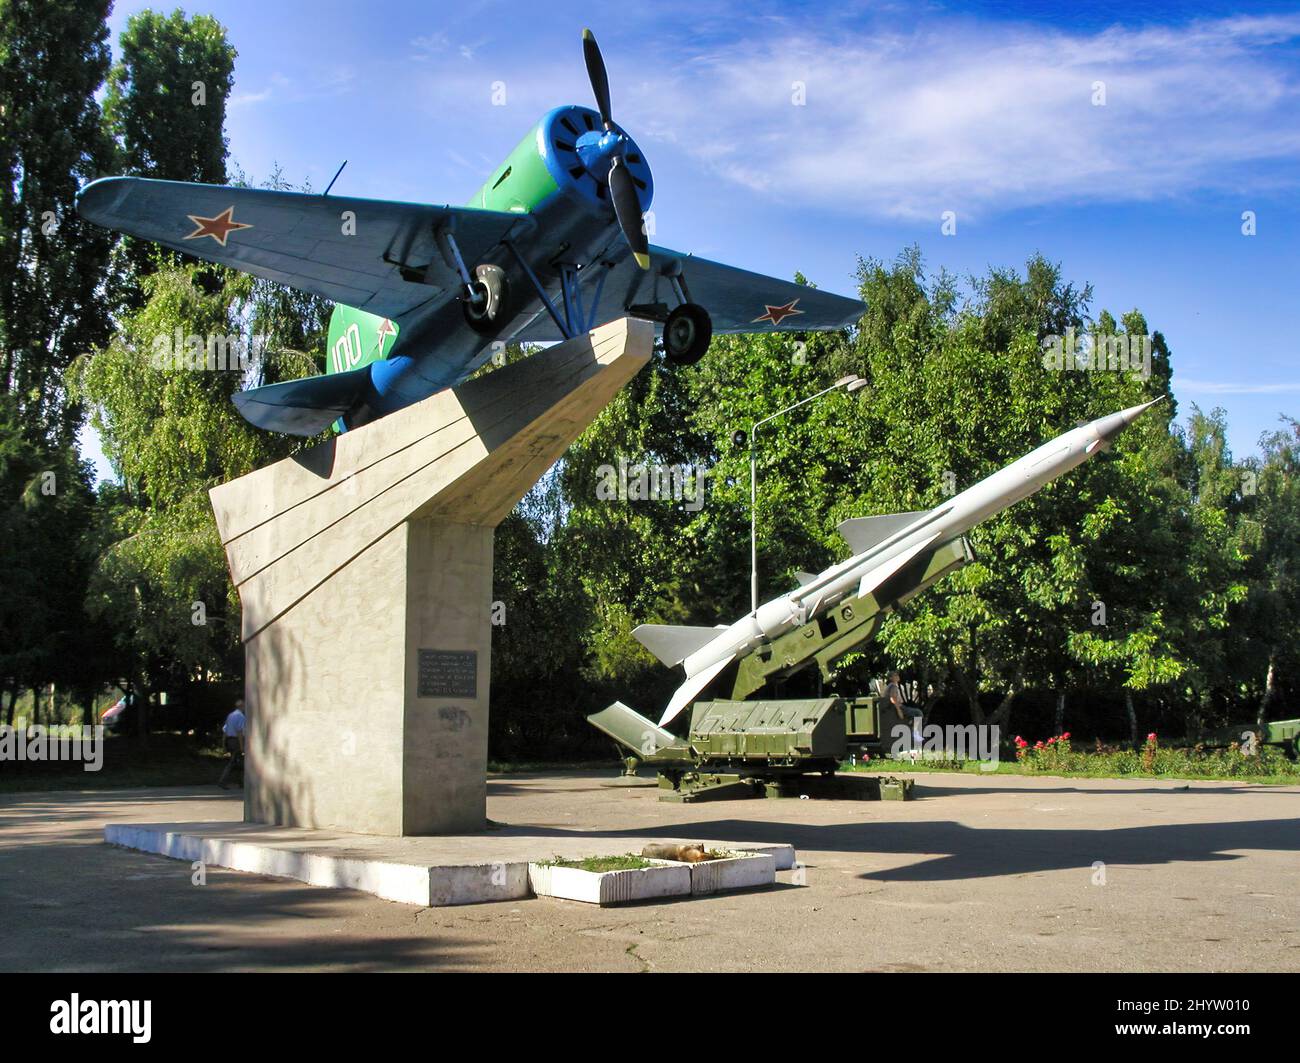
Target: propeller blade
{"x": 596, "y": 73}
{"x": 627, "y": 206}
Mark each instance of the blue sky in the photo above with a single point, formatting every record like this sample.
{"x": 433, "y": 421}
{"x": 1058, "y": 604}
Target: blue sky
{"x": 911, "y": 110}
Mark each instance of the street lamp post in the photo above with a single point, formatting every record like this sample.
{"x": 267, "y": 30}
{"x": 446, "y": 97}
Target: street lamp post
{"x": 849, "y": 384}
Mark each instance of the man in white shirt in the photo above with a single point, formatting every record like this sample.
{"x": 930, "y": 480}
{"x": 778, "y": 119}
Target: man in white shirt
{"x": 233, "y": 736}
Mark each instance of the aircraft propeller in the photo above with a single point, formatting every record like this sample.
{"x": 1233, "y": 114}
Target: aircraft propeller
{"x": 599, "y": 79}
{"x": 622, "y": 186}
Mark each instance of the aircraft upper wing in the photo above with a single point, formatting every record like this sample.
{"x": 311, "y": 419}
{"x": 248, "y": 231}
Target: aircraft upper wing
{"x": 302, "y": 240}
{"x": 736, "y": 299}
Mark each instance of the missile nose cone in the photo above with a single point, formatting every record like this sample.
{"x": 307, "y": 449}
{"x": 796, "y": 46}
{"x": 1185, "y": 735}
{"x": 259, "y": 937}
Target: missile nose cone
{"x": 1112, "y": 424}
{"x": 1130, "y": 415}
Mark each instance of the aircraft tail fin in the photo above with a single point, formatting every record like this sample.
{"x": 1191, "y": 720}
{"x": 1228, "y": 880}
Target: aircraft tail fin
{"x": 303, "y": 407}
{"x": 673, "y": 643}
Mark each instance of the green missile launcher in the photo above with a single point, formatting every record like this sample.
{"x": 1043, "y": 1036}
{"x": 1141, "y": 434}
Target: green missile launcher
{"x": 1284, "y": 733}
{"x": 750, "y": 746}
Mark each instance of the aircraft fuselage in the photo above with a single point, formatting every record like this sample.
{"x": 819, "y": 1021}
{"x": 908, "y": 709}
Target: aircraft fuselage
{"x": 554, "y": 176}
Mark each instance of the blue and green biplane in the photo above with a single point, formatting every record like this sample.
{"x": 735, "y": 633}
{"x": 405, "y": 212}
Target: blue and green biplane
{"x": 426, "y": 293}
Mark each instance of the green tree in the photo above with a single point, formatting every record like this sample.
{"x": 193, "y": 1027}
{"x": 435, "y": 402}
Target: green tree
{"x": 47, "y": 517}
{"x": 958, "y": 392}
{"x": 1271, "y": 486}
{"x": 167, "y": 94}
{"x": 165, "y": 110}
{"x": 172, "y": 432}
{"x": 53, "y": 58}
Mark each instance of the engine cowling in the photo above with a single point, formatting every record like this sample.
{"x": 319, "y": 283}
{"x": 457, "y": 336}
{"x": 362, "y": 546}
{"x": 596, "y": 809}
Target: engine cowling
{"x": 562, "y": 156}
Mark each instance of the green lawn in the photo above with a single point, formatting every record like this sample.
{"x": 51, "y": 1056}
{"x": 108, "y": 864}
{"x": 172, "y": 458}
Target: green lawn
{"x": 1271, "y": 769}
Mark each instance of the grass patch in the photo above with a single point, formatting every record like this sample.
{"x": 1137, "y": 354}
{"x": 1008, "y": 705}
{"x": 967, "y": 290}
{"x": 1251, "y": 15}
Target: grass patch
{"x": 1267, "y": 766}
{"x": 598, "y": 864}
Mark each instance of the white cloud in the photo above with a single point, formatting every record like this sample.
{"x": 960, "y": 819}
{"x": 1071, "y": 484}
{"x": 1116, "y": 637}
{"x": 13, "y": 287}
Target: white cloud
{"x": 435, "y": 45}
{"x": 247, "y": 99}
{"x": 979, "y": 118}
{"x": 1228, "y": 387}
{"x": 286, "y": 89}
{"x": 426, "y": 47}
{"x": 957, "y": 115}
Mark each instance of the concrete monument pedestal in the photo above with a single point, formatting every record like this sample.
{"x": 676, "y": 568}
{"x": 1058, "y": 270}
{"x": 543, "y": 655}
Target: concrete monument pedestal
{"x": 364, "y": 566}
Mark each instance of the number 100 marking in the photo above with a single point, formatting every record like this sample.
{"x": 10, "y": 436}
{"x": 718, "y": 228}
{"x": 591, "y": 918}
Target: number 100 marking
{"x": 347, "y": 351}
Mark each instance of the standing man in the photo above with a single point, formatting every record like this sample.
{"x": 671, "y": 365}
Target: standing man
{"x": 233, "y": 734}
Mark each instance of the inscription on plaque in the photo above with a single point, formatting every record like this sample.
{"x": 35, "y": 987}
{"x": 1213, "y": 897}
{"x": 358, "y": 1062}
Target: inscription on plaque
{"x": 448, "y": 674}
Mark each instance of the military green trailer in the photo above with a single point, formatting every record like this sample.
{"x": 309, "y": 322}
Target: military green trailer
{"x": 785, "y": 748}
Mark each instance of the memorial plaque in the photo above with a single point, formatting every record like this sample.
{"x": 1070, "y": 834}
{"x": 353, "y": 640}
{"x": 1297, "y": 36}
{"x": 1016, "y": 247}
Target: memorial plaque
{"x": 448, "y": 674}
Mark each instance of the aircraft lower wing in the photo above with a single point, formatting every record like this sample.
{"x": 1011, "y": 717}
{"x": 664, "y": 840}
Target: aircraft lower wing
{"x": 736, "y": 299}
{"x": 372, "y": 254}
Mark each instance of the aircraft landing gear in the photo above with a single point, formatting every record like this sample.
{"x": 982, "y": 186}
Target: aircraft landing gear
{"x": 687, "y": 333}
{"x": 485, "y": 303}
{"x": 485, "y": 296}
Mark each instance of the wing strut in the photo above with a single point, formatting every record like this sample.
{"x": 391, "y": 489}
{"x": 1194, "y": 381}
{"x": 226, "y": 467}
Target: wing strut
{"x": 451, "y": 255}
{"x": 540, "y": 292}
{"x": 575, "y": 319}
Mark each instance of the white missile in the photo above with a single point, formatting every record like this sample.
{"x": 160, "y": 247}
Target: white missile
{"x": 882, "y": 546}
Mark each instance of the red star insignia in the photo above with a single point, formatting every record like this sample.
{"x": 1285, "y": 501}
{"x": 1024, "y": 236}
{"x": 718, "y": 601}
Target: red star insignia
{"x": 218, "y": 228}
{"x": 384, "y": 331}
{"x": 777, "y": 314}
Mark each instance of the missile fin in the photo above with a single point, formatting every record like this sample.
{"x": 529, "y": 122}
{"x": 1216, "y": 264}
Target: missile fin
{"x": 876, "y": 576}
{"x": 687, "y": 692}
{"x": 673, "y": 643}
{"x": 862, "y": 533}
{"x": 805, "y": 578}
{"x": 631, "y": 729}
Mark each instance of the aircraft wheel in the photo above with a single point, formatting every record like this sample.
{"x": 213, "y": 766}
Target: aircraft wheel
{"x": 487, "y": 312}
{"x": 687, "y": 333}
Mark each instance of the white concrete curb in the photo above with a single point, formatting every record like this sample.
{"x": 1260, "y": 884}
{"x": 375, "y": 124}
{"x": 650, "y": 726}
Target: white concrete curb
{"x": 664, "y": 878}
{"x": 428, "y": 885}
{"x": 738, "y": 871}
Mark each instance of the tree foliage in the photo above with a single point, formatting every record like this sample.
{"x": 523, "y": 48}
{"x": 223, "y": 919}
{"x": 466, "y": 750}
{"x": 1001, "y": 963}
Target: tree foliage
{"x": 1163, "y": 572}
{"x": 53, "y": 58}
